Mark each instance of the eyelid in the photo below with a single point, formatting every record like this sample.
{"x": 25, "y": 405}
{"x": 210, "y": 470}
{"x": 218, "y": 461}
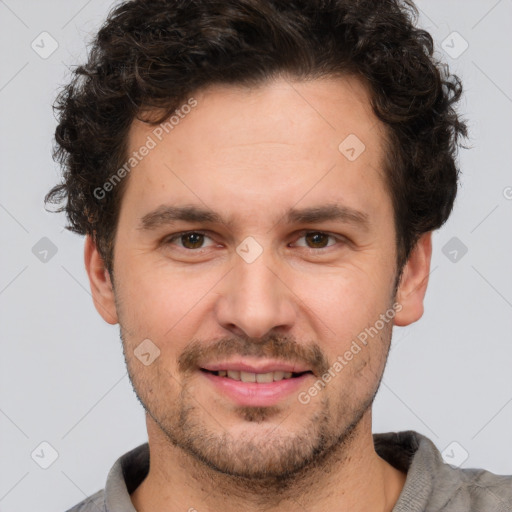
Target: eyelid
{"x": 300, "y": 234}
{"x": 168, "y": 239}
{"x": 338, "y": 238}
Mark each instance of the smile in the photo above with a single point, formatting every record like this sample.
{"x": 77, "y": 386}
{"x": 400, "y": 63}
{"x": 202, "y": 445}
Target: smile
{"x": 256, "y": 377}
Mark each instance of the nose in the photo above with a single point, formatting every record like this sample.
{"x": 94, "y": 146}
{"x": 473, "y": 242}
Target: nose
{"x": 254, "y": 299}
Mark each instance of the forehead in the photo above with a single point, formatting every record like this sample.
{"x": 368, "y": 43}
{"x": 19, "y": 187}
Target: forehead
{"x": 240, "y": 148}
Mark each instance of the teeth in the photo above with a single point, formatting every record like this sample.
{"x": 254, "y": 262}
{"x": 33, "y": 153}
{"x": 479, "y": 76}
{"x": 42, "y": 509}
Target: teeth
{"x": 247, "y": 377}
{"x": 265, "y": 377}
{"x": 254, "y": 377}
{"x": 278, "y": 376}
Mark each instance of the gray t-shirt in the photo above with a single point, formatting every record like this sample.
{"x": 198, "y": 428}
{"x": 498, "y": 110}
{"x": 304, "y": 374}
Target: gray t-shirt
{"x": 431, "y": 485}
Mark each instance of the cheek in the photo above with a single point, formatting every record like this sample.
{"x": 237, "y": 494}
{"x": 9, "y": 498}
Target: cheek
{"x": 348, "y": 299}
{"x": 164, "y": 303}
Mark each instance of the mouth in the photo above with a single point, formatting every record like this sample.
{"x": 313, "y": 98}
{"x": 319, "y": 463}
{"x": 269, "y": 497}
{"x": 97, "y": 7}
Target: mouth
{"x": 255, "y": 385}
{"x": 245, "y": 376}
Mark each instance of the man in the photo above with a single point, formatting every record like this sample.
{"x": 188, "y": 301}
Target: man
{"x": 258, "y": 182}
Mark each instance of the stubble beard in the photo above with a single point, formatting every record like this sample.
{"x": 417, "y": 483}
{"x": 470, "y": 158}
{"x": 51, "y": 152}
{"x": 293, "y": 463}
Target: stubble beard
{"x": 271, "y": 460}
{"x": 266, "y": 463}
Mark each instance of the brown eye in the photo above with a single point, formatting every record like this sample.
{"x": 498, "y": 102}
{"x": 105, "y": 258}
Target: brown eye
{"x": 189, "y": 240}
{"x": 317, "y": 239}
{"x": 316, "y": 242}
{"x": 192, "y": 240}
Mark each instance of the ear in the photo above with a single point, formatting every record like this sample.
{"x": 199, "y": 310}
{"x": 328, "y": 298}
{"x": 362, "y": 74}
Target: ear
{"x": 413, "y": 283}
{"x": 99, "y": 280}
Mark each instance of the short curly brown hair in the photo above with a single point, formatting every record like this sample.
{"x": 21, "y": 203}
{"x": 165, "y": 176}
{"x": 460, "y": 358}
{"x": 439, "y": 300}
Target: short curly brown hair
{"x": 150, "y": 56}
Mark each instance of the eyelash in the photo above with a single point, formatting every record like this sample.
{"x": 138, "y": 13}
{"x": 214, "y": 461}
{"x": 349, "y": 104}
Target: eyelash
{"x": 339, "y": 239}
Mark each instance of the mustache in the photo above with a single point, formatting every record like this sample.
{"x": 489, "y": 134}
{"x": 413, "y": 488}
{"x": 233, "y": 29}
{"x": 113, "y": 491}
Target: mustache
{"x": 283, "y": 348}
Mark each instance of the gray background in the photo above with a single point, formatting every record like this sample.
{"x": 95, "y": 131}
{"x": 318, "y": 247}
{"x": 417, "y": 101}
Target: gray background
{"x": 63, "y": 379}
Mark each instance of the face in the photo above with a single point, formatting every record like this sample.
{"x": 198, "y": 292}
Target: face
{"x": 251, "y": 245}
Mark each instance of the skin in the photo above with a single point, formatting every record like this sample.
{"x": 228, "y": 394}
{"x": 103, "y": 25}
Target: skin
{"x": 251, "y": 154}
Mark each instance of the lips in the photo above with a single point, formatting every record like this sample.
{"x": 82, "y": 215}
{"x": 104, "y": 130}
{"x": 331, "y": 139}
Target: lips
{"x": 260, "y": 383}
{"x": 255, "y": 394}
{"x": 261, "y": 367}
{"x": 262, "y": 372}
{"x": 244, "y": 376}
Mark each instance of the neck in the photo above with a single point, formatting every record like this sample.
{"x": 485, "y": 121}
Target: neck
{"x": 350, "y": 477}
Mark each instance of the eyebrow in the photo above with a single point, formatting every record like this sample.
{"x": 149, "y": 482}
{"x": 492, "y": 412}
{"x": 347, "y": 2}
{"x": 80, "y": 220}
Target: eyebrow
{"x": 168, "y": 214}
